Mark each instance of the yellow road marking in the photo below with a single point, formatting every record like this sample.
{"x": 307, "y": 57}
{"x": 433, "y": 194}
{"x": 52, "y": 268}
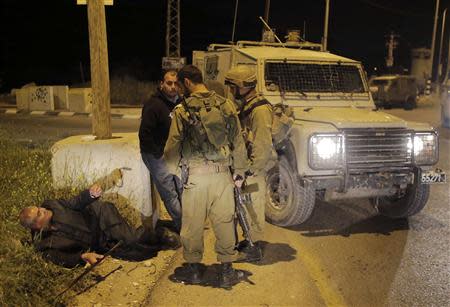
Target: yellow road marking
{"x": 328, "y": 291}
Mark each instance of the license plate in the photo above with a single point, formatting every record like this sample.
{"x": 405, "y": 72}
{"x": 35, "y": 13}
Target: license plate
{"x": 436, "y": 176}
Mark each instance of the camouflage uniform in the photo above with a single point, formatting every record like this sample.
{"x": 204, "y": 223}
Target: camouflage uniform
{"x": 208, "y": 191}
{"x": 257, "y": 130}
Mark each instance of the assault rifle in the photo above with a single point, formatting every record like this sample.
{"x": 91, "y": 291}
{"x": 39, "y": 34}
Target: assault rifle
{"x": 241, "y": 200}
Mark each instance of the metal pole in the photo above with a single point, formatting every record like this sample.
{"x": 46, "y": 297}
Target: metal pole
{"x": 234, "y": 21}
{"x": 325, "y": 28}
{"x": 433, "y": 39}
{"x": 266, "y": 11}
{"x": 441, "y": 44}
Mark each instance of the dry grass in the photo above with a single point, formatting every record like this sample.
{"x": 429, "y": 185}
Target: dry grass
{"x": 130, "y": 91}
{"x": 26, "y": 279}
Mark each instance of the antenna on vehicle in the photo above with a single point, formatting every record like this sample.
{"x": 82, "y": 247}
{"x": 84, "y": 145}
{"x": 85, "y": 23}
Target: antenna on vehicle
{"x": 268, "y": 28}
{"x": 234, "y": 20}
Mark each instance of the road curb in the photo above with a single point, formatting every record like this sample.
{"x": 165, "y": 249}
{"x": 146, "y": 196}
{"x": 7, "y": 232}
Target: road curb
{"x": 63, "y": 113}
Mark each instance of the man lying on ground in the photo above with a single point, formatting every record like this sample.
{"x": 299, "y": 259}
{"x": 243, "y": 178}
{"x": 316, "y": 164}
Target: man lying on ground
{"x": 70, "y": 232}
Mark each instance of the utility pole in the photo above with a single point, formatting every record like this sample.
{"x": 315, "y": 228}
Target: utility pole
{"x": 101, "y": 108}
{"x": 441, "y": 45}
{"x": 173, "y": 59}
{"x": 433, "y": 39}
{"x": 391, "y": 44}
{"x": 173, "y": 29}
{"x": 325, "y": 27}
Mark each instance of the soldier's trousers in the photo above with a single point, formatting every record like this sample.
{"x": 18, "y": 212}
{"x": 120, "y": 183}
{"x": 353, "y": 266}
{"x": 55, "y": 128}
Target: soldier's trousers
{"x": 208, "y": 196}
{"x": 256, "y": 210}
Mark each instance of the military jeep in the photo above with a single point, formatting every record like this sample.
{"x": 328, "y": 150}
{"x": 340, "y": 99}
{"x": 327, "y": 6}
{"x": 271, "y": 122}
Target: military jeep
{"x": 340, "y": 146}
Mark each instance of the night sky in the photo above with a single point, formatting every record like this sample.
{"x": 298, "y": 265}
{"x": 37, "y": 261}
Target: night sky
{"x": 46, "y": 41}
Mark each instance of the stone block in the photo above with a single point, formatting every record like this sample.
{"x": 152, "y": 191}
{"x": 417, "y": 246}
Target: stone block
{"x": 80, "y": 100}
{"x": 22, "y": 99}
{"x": 61, "y": 97}
{"x": 41, "y": 98}
{"x": 78, "y": 161}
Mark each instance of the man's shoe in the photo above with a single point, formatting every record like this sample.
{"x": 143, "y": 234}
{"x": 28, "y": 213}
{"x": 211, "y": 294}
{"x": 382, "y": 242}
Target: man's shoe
{"x": 250, "y": 254}
{"x": 242, "y": 245}
{"x": 167, "y": 238}
{"x": 193, "y": 274}
{"x": 228, "y": 276}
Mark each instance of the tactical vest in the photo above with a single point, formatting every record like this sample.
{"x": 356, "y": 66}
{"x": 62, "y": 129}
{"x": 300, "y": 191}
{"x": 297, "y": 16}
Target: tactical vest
{"x": 282, "y": 119}
{"x": 207, "y": 125}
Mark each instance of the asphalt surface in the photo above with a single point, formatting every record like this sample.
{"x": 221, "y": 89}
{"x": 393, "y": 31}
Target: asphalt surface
{"x": 345, "y": 255}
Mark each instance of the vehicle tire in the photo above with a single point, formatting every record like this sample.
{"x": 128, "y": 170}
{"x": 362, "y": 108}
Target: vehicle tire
{"x": 415, "y": 198}
{"x": 410, "y": 104}
{"x": 288, "y": 203}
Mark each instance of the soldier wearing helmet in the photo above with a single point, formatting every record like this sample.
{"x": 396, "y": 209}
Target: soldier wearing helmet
{"x": 255, "y": 114}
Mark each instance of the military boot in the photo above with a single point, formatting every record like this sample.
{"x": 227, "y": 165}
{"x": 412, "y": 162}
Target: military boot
{"x": 193, "y": 273}
{"x": 250, "y": 253}
{"x": 228, "y": 276}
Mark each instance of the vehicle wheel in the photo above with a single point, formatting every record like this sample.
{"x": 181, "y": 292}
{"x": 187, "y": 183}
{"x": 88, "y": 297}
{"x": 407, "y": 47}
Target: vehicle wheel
{"x": 288, "y": 202}
{"x": 410, "y": 104}
{"x": 414, "y": 199}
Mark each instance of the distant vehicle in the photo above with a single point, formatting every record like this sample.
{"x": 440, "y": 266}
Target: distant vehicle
{"x": 394, "y": 90}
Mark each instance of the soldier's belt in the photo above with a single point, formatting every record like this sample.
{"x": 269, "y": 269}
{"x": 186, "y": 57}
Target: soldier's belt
{"x": 208, "y": 169}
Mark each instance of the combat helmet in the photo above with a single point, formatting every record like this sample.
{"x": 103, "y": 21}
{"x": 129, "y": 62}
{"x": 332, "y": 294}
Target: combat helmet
{"x": 241, "y": 76}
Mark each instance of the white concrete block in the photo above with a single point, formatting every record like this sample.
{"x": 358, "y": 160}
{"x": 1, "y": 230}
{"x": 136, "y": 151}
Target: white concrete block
{"x": 41, "y": 98}
{"x": 22, "y": 99}
{"x": 61, "y": 96}
{"x": 80, "y": 160}
{"x": 80, "y": 100}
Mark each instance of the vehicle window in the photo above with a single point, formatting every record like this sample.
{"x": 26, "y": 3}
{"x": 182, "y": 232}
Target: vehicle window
{"x": 301, "y": 77}
{"x": 379, "y": 82}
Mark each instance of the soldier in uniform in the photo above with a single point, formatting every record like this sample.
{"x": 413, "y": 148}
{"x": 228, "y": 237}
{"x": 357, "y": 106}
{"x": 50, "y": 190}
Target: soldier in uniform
{"x": 255, "y": 114}
{"x": 205, "y": 139}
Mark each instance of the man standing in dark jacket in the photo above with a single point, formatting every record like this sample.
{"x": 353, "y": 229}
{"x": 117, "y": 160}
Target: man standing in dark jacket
{"x": 153, "y": 132}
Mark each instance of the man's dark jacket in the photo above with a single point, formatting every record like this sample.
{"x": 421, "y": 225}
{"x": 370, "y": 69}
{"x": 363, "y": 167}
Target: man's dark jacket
{"x": 84, "y": 224}
{"x": 155, "y": 124}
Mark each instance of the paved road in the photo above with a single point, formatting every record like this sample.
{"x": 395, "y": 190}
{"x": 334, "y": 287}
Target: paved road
{"x": 38, "y": 128}
{"x": 345, "y": 255}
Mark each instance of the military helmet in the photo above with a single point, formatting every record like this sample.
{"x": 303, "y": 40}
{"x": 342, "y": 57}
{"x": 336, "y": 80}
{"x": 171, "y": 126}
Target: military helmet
{"x": 241, "y": 76}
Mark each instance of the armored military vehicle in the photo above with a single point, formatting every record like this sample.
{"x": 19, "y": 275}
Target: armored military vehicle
{"x": 393, "y": 90}
{"x": 340, "y": 146}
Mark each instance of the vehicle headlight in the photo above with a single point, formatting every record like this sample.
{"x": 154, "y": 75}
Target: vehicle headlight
{"x": 325, "y": 151}
{"x": 425, "y": 148}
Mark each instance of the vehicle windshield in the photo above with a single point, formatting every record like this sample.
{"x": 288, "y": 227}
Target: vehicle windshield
{"x": 310, "y": 77}
{"x": 379, "y": 82}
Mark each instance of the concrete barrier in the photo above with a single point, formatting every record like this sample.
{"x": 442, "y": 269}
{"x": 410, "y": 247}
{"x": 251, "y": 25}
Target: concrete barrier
{"x": 22, "y": 99}
{"x": 41, "y": 98}
{"x": 80, "y": 100}
{"x": 61, "y": 96}
{"x": 80, "y": 160}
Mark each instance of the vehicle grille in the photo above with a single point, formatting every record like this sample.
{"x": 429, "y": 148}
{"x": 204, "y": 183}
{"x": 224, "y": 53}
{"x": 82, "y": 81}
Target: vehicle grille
{"x": 377, "y": 149}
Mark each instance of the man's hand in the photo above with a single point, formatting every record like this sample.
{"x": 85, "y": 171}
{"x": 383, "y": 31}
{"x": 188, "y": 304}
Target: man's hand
{"x": 91, "y": 258}
{"x": 95, "y": 191}
{"x": 238, "y": 180}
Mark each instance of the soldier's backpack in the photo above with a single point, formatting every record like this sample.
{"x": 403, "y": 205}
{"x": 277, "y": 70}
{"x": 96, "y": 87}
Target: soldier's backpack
{"x": 210, "y": 126}
{"x": 282, "y": 119}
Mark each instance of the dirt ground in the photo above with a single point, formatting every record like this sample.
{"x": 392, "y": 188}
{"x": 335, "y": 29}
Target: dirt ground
{"x": 124, "y": 283}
